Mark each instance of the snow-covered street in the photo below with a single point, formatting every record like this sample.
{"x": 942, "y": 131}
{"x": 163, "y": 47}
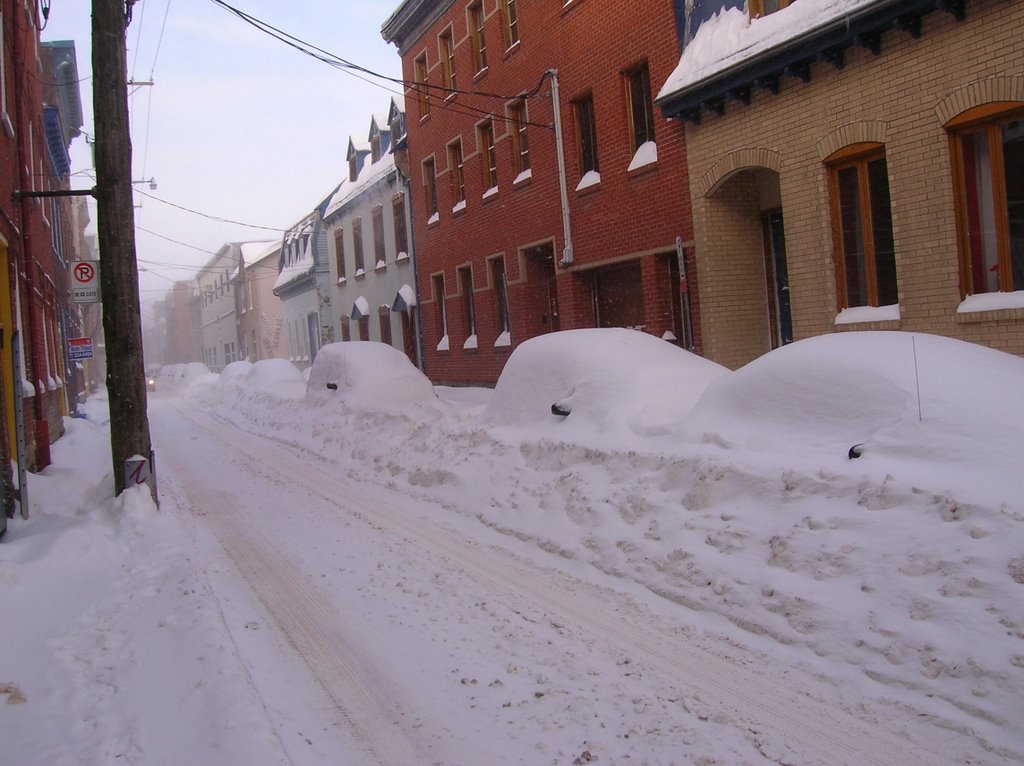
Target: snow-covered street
{"x": 398, "y": 579}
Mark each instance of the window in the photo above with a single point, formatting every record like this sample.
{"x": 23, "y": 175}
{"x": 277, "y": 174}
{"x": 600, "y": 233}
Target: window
{"x": 488, "y": 155}
{"x": 510, "y": 22}
{"x": 346, "y": 329}
{"x": 339, "y": 252}
{"x": 430, "y": 185}
{"x": 641, "y": 108}
{"x": 364, "y": 328}
{"x": 384, "y": 322}
{"x": 989, "y": 165}
{"x": 455, "y": 169}
{"x": 476, "y": 34}
{"x": 862, "y": 225}
{"x": 398, "y": 216}
{"x": 375, "y": 152}
{"x": 500, "y": 294}
{"x": 353, "y": 165}
{"x": 520, "y": 144}
{"x": 586, "y": 134}
{"x": 357, "y": 245}
{"x": 759, "y": 8}
{"x": 465, "y": 275}
{"x": 378, "y": 236}
{"x": 447, "y": 50}
{"x": 422, "y": 89}
{"x": 442, "y": 313}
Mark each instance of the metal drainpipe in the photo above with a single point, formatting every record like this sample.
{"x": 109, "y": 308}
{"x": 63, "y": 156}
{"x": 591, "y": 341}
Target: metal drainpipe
{"x": 418, "y": 328}
{"x": 567, "y": 254}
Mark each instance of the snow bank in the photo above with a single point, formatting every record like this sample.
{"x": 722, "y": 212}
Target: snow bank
{"x": 366, "y": 373}
{"x": 948, "y": 411}
{"x": 181, "y": 376}
{"x": 595, "y": 373}
{"x": 276, "y": 377}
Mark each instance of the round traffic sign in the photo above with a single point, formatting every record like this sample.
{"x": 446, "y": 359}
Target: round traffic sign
{"x": 84, "y": 272}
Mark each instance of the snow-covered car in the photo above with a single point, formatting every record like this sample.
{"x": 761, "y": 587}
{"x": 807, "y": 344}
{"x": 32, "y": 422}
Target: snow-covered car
{"x": 610, "y": 378}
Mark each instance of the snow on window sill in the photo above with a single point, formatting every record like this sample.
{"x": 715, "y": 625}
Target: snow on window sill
{"x": 505, "y": 339}
{"x": 590, "y": 178}
{"x": 646, "y": 154}
{"x": 27, "y": 389}
{"x": 459, "y": 206}
{"x": 526, "y": 175}
{"x": 8, "y": 125}
{"x": 443, "y": 344}
{"x": 402, "y": 256}
{"x": 669, "y": 336}
{"x": 862, "y": 314}
{"x": 433, "y": 219}
{"x": 360, "y": 273}
{"x": 381, "y": 265}
{"x": 470, "y": 342}
{"x": 991, "y": 302}
{"x": 342, "y": 280}
{"x": 490, "y": 192}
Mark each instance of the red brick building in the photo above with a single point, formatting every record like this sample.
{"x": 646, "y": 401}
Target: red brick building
{"x": 507, "y": 244}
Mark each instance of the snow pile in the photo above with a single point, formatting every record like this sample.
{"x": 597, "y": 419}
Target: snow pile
{"x": 888, "y": 584}
{"x": 234, "y": 374}
{"x": 366, "y": 373}
{"x": 182, "y": 376}
{"x": 943, "y": 411}
{"x": 593, "y": 375}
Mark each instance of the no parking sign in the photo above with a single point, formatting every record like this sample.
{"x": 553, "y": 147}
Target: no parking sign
{"x": 85, "y": 281}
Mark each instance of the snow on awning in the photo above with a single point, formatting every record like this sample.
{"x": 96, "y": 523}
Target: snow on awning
{"x": 404, "y": 300}
{"x": 360, "y": 309}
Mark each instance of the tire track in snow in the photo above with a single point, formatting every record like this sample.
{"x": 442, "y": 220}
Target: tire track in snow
{"x": 794, "y": 728}
{"x": 304, "y": 616}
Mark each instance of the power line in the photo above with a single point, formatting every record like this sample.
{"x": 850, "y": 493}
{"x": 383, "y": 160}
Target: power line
{"x": 207, "y": 215}
{"x": 339, "y": 62}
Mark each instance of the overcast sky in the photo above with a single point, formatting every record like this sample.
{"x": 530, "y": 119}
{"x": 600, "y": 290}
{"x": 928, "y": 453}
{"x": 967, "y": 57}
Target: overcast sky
{"x": 238, "y": 125}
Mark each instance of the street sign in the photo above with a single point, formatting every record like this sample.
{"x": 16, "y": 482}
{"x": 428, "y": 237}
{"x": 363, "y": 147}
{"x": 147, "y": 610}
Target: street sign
{"x": 85, "y": 281}
{"x": 79, "y": 348}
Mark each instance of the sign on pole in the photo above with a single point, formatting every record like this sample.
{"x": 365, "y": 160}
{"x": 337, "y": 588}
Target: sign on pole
{"x": 85, "y": 281}
{"x": 79, "y": 348}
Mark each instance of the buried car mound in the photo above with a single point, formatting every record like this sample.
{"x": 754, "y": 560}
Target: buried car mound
{"x": 609, "y": 379}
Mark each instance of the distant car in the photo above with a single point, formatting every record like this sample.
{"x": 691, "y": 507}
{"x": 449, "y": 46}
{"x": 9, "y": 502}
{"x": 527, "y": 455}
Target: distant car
{"x": 150, "y": 383}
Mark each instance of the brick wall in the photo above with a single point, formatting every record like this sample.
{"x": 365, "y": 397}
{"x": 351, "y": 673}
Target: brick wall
{"x": 900, "y": 98}
{"x": 630, "y": 215}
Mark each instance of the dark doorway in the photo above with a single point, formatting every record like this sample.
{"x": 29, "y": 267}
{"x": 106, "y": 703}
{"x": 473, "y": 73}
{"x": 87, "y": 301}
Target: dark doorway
{"x": 618, "y": 296}
{"x": 543, "y": 292}
{"x": 777, "y": 274}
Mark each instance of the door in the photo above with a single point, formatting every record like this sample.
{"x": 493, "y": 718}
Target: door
{"x": 777, "y": 275}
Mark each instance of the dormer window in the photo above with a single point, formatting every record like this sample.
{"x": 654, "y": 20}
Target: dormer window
{"x": 759, "y": 8}
{"x": 353, "y": 166}
{"x": 375, "y": 145}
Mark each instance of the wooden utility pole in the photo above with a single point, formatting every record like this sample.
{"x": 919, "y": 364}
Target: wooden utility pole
{"x": 115, "y": 223}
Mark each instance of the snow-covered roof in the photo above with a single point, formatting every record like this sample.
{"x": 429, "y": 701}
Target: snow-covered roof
{"x": 298, "y": 268}
{"x": 729, "y": 51}
{"x": 253, "y": 251}
{"x": 369, "y": 173}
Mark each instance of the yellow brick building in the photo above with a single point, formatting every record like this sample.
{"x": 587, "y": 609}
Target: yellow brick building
{"x": 855, "y": 165}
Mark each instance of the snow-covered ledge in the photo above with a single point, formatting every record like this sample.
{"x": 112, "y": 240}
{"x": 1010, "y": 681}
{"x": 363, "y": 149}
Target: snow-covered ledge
{"x": 590, "y": 178}
{"x": 470, "y": 341}
{"x": 526, "y": 175}
{"x": 505, "y": 339}
{"x": 862, "y": 314}
{"x": 646, "y": 154}
{"x": 443, "y": 344}
{"x": 991, "y": 302}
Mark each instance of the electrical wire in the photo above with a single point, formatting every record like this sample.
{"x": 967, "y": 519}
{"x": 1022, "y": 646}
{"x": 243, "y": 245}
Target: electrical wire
{"x": 339, "y": 62}
{"x": 207, "y": 215}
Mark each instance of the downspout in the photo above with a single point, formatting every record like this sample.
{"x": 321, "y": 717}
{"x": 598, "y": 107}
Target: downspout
{"x": 40, "y": 431}
{"x": 684, "y": 288}
{"x": 418, "y": 328}
{"x": 567, "y": 255}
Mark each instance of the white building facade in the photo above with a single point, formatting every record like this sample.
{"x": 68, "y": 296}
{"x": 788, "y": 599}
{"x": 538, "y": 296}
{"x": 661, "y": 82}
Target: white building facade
{"x": 371, "y": 265}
